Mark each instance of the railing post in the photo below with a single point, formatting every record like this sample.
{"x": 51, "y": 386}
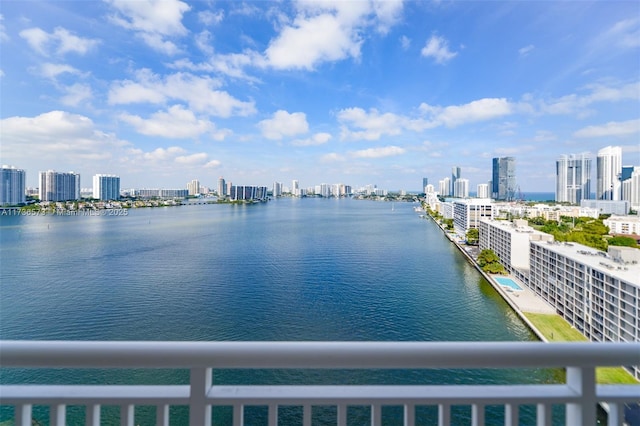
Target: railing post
{"x": 376, "y": 415}
{"x": 543, "y": 415}
{"x": 341, "y": 414}
{"x": 93, "y": 415}
{"x": 307, "y": 415}
{"x": 199, "y": 408}
{"x": 58, "y": 415}
{"x": 409, "y": 415}
{"x": 511, "y": 415}
{"x": 477, "y": 415}
{"x": 162, "y": 415}
{"x": 23, "y": 415}
{"x": 444, "y": 415}
{"x": 127, "y": 415}
{"x": 583, "y": 381}
{"x": 273, "y": 414}
{"x": 615, "y": 414}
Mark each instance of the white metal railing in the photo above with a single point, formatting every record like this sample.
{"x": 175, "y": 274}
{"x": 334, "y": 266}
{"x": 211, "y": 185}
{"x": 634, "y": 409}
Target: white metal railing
{"x": 580, "y": 394}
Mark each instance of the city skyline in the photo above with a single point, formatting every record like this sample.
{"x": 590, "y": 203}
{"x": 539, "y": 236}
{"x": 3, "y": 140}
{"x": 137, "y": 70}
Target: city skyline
{"x": 363, "y": 92}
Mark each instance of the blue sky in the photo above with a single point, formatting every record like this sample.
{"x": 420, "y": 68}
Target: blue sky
{"x": 379, "y": 92}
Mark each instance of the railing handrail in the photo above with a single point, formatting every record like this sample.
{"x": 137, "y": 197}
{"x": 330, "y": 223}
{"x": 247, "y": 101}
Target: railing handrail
{"x": 320, "y": 355}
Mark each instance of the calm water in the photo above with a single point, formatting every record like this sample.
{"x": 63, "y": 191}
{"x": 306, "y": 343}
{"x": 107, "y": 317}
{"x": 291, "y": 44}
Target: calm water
{"x": 292, "y": 269}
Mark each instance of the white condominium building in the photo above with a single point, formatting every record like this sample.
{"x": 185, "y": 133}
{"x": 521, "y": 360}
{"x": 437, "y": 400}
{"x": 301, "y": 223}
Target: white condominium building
{"x": 56, "y": 186}
{"x": 626, "y": 225}
{"x": 510, "y": 241}
{"x": 596, "y": 292}
{"x": 573, "y": 178}
{"x": 468, "y": 213}
{"x": 12, "y": 186}
{"x": 608, "y": 173}
{"x": 106, "y": 187}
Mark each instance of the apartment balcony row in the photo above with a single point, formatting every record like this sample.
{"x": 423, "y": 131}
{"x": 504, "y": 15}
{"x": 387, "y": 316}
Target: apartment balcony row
{"x": 579, "y": 394}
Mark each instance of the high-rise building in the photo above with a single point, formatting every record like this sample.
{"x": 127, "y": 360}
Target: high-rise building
{"x": 106, "y": 187}
{"x": 483, "y": 190}
{"x": 573, "y": 178}
{"x": 461, "y": 189}
{"x": 56, "y": 186}
{"x": 444, "y": 187}
{"x": 222, "y": 187}
{"x": 609, "y": 173}
{"x": 503, "y": 178}
{"x": 12, "y": 186}
{"x": 425, "y": 182}
{"x": 631, "y": 189}
{"x": 194, "y": 187}
{"x": 295, "y": 188}
{"x": 455, "y": 175}
{"x": 277, "y": 189}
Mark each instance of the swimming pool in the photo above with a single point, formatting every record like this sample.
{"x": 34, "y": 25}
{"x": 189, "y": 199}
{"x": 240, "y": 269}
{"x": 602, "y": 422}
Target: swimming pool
{"x": 508, "y": 282}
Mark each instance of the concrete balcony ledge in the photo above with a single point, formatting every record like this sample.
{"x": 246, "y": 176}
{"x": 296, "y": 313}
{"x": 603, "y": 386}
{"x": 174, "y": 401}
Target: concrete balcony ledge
{"x": 580, "y": 395}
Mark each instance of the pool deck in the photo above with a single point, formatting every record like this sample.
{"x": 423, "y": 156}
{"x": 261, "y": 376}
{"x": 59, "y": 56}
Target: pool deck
{"x": 525, "y": 299}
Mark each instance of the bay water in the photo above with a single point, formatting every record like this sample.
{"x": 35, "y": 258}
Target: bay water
{"x": 291, "y": 269}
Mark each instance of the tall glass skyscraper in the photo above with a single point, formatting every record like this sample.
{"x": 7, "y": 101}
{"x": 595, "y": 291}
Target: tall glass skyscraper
{"x": 106, "y": 187}
{"x": 455, "y": 175}
{"x": 609, "y": 173}
{"x": 56, "y": 186}
{"x": 503, "y": 183}
{"x": 12, "y": 186}
{"x": 573, "y": 178}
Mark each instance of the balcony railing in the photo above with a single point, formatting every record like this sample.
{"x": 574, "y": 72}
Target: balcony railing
{"x": 579, "y": 394}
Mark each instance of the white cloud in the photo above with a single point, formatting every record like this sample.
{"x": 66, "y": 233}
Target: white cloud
{"x": 208, "y": 17}
{"x": 438, "y": 49}
{"x": 316, "y": 139}
{"x": 3, "y": 34}
{"x": 311, "y": 41}
{"x": 61, "y": 41}
{"x": 175, "y": 123}
{"x": 387, "y": 151}
{"x": 57, "y": 136}
{"x": 152, "y": 20}
{"x": 373, "y": 124}
{"x": 405, "y": 42}
{"x": 625, "y": 33}
{"x": 163, "y": 154}
{"x": 200, "y": 93}
{"x": 76, "y": 94}
{"x": 52, "y": 71}
{"x": 201, "y": 158}
{"x": 526, "y": 50}
{"x": 613, "y": 128}
{"x": 328, "y": 31}
{"x": 284, "y": 124}
{"x": 332, "y": 157}
{"x": 203, "y": 42}
{"x": 388, "y": 13}
{"x": 479, "y": 110}
{"x": 578, "y": 104}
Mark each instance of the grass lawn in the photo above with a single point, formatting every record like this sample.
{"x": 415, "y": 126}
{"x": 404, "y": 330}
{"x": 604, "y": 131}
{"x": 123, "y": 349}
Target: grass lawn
{"x": 556, "y": 329}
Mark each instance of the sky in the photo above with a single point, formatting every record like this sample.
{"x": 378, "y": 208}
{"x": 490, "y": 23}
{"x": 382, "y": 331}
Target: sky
{"x": 382, "y": 92}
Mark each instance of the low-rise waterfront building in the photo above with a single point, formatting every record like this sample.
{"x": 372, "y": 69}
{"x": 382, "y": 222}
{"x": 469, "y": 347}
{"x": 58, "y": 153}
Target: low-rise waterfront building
{"x": 510, "y": 242}
{"x": 596, "y": 292}
{"x": 160, "y": 193}
{"x": 248, "y": 193}
{"x": 618, "y": 207}
{"x": 624, "y": 225}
